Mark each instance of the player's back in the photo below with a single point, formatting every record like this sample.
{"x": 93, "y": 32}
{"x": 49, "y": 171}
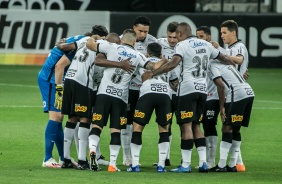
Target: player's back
{"x": 238, "y": 87}
{"x": 48, "y": 69}
{"x": 116, "y": 78}
{"x": 196, "y": 54}
{"x": 82, "y": 66}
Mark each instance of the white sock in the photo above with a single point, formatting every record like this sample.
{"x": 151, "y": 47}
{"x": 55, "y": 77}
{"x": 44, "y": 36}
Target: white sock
{"x": 224, "y": 149}
{"x": 202, "y": 154}
{"x": 125, "y": 136}
{"x": 76, "y": 138}
{"x": 83, "y": 134}
{"x": 168, "y": 151}
{"x": 240, "y": 160}
{"x": 68, "y": 136}
{"x": 213, "y": 145}
{"x": 234, "y": 150}
{"x": 114, "y": 151}
{"x": 208, "y": 147}
{"x": 163, "y": 148}
{"x": 186, "y": 157}
{"x": 93, "y": 142}
{"x": 98, "y": 150}
{"x": 135, "y": 151}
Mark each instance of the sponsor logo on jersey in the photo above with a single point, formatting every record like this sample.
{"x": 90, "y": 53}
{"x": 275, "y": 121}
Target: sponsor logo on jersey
{"x": 235, "y": 118}
{"x": 96, "y": 117}
{"x": 168, "y": 116}
{"x": 185, "y": 114}
{"x": 138, "y": 114}
{"x": 195, "y": 44}
{"x": 79, "y": 108}
{"x": 121, "y": 51}
{"x": 123, "y": 120}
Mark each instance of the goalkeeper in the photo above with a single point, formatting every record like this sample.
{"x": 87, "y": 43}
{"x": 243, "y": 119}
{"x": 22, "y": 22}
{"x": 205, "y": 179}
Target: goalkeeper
{"x": 57, "y": 64}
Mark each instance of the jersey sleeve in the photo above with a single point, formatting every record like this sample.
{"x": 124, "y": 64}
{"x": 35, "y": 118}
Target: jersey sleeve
{"x": 179, "y": 50}
{"x": 213, "y": 71}
{"x": 173, "y": 76}
{"x": 142, "y": 61}
{"x": 214, "y": 52}
{"x": 104, "y": 47}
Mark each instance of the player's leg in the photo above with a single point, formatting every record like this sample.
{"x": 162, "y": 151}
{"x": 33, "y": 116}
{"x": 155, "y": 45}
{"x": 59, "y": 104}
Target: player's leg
{"x": 142, "y": 115}
{"x": 99, "y": 120}
{"x": 126, "y": 133}
{"x": 226, "y": 141}
{"x": 55, "y": 117}
{"x": 184, "y": 115}
{"x": 83, "y": 134}
{"x": 117, "y": 122}
{"x": 68, "y": 137}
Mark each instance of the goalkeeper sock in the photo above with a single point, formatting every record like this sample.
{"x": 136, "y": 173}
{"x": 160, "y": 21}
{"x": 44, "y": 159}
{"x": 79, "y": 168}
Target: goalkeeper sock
{"x": 50, "y": 138}
{"x": 60, "y": 141}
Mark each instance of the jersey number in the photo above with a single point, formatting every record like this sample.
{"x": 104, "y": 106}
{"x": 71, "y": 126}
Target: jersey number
{"x": 201, "y": 66}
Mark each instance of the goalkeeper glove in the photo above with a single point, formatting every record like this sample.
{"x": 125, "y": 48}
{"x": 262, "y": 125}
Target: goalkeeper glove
{"x": 59, "y": 96}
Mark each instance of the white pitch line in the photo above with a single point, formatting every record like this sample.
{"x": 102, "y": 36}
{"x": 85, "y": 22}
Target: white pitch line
{"x": 18, "y": 85}
{"x": 267, "y": 108}
{"x": 268, "y": 101}
{"x": 20, "y": 106}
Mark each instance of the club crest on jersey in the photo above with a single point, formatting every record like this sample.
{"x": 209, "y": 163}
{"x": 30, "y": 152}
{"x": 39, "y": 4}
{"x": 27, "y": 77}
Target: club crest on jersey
{"x": 185, "y": 114}
{"x": 96, "y": 117}
{"x": 123, "y": 120}
{"x": 122, "y": 51}
{"x": 168, "y": 116}
{"x": 79, "y": 108}
{"x": 236, "y": 118}
{"x": 138, "y": 114}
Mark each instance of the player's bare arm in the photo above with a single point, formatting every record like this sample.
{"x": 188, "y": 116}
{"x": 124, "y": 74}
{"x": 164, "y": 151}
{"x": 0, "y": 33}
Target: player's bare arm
{"x": 101, "y": 60}
{"x": 163, "y": 69}
{"x": 221, "y": 94}
{"x": 91, "y": 43}
{"x": 237, "y": 59}
{"x": 224, "y": 59}
{"x": 174, "y": 85}
{"x": 60, "y": 68}
{"x": 246, "y": 75}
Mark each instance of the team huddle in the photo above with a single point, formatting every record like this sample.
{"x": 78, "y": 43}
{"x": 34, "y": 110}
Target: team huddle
{"x": 99, "y": 75}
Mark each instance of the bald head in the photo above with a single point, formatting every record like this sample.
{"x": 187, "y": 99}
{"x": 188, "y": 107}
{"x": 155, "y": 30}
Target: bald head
{"x": 183, "y": 31}
{"x": 113, "y": 38}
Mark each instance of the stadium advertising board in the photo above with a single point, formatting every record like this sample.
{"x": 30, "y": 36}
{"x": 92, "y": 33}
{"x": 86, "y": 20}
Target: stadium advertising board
{"x": 262, "y": 33}
{"x": 26, "y": 37}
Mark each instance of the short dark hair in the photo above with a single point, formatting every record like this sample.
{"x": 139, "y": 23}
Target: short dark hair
{"x": 154, "y": 49}
{"x": 231, "y": 25}
{"x": 142, "y": 20}
{"x": 100, "y": 30}
{"x": 206, "y": 29}
{"x": 171, "y": 27}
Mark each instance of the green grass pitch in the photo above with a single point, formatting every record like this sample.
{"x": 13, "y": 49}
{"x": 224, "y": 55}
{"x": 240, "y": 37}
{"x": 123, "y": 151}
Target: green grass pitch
{"x": 22, "y": 126}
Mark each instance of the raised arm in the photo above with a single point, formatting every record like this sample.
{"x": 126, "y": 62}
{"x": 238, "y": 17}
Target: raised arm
{"x": 91, "y": 43}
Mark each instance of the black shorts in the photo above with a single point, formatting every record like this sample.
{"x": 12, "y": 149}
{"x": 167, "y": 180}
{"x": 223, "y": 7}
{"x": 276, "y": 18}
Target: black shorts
{"x": 239, "y": 113}
{"x": 147, "y": 103}
{"x": 174, "y": 102}
{"x": 190, "y": 108}
{"x": 78, "y": 100}
{"x": 106, "y": 106}
{"x": 211, "y": 112}
{"x": 132, "y": 101}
